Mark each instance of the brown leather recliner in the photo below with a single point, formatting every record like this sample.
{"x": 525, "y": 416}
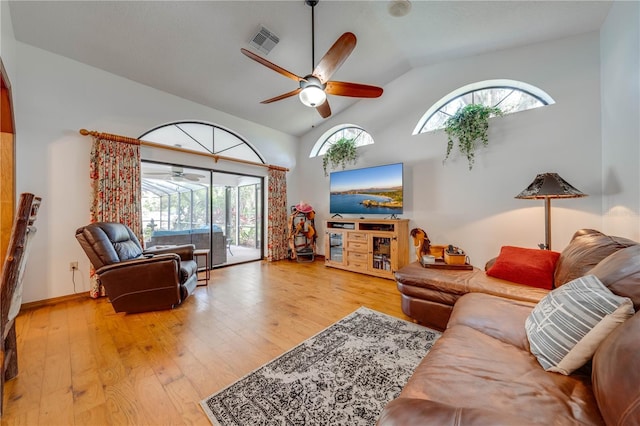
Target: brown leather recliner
{"x": 137, "y": 280}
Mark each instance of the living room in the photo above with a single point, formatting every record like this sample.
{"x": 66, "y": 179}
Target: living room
{"x": 589, "y": 136}
{"x": 579, "y": 137}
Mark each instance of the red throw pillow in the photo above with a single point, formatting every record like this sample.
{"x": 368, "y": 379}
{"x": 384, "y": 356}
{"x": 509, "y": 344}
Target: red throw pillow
{"x": 533, "y": 267}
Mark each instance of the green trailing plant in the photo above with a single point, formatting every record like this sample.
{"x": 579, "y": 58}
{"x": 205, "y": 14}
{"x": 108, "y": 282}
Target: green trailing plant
{"x": 469, "y": 125}
{"x": 341, "y": 153}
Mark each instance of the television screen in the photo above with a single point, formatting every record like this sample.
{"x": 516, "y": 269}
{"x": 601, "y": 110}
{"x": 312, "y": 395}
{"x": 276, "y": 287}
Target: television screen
{"x": 371, "y": 190}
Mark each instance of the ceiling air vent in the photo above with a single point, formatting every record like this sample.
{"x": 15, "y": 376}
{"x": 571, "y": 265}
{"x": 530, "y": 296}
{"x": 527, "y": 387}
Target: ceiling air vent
{"x": 264, "y": 40}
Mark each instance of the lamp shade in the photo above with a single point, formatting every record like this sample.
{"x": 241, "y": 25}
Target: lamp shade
{"x": 547, "y": 186}
{"x": 550, "y": 185}
{"x": 312, "y": 96}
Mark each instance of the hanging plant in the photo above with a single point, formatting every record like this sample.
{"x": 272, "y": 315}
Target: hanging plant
{"x": 341, "y": 153}
{"x": 469, "y": 125}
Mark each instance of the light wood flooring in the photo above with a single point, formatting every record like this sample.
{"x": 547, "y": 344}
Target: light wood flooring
{"x": 82, "y": 364}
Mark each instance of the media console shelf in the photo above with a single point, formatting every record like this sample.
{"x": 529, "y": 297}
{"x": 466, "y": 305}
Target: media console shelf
{"x": 369, "y": 246}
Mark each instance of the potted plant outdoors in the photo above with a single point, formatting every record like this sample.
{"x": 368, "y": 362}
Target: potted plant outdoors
{"x": 468, "y": 125}
{"x": 340, "y": 153}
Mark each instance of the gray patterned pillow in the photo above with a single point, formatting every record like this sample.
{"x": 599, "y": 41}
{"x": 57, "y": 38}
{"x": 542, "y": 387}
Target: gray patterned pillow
{"x": 568, "y": 324}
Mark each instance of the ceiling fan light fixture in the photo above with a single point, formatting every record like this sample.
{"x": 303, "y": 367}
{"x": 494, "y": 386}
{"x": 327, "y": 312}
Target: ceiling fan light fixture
{"x": 399, "y": 8}
{"x": 315, "y": 87}
{"x": 312, "y": 96}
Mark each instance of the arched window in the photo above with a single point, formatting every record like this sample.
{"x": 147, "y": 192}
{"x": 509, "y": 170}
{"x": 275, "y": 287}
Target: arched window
{"x": 218, "y": 210}
{"x": 203, "y": 137}
{"x": 509, "y": 95}
{"x": 347, "y": 131}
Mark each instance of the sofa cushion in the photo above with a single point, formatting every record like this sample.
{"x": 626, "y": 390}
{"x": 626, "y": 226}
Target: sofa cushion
{"x": 470, "y": 369}
{"x": 567, "y": 326}
{"x": 489, "y": 314}
{"x": 616, "y": 374}
{"x": 620, "y": 272}
{"x": 585, "y": 250}
{"x": 526, "y": 266}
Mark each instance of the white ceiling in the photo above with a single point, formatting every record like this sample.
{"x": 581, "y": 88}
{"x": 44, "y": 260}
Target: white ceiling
{"x": 192, "y": 48}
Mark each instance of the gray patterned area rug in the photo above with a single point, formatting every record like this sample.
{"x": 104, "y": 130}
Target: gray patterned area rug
{"x": 344, "y": 375}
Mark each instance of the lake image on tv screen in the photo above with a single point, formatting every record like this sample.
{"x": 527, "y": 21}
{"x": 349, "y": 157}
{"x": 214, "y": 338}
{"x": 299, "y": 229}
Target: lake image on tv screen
{"x": 372, "y": 190}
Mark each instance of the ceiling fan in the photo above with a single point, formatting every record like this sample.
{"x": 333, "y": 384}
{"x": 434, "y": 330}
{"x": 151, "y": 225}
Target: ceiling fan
{"x": 176, "y": 174}
{"x": 313, "y": 88}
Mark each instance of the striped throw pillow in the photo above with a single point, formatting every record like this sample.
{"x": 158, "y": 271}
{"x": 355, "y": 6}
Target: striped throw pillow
{"x": 568, "y": 324}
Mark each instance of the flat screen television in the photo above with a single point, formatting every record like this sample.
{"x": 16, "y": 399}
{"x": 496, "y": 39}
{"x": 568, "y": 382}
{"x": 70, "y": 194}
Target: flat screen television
{"x": 370, "y": 190}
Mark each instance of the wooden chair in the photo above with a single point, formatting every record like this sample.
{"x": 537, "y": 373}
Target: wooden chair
{"x": 11, "y": 284}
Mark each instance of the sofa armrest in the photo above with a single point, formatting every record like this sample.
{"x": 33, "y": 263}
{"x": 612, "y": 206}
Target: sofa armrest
{"x": 414, "y": 411}
{"x": 185, "y": 251}
{"x": 139, "y": 262}
{"x": 142, "y": 284}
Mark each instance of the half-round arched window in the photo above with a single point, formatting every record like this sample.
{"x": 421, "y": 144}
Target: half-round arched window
{"x": 203, "y": 137}
{"x": 347, "y": 131}
{"x": 509, "y": 95}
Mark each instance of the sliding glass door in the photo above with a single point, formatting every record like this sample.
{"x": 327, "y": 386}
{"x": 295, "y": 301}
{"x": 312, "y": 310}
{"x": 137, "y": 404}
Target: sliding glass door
{"x": 217, "y": 211}
{"x": 237, "y": 207}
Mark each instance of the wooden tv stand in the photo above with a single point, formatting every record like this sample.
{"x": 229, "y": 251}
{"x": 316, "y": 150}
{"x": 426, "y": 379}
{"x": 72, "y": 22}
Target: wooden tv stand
{"x": 370, "y": 246}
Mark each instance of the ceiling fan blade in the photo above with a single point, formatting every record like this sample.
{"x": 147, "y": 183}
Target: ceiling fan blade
{"x": 271, "y": 65}
{"x": 335, "y": 56}
{"x": 356, "y": 90}
{"x": 283, "y": 96}
{"x": 324, "y": 109}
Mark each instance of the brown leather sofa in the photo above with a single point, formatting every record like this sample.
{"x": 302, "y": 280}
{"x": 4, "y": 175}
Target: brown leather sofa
{"x": 137, "y": 280}
{"x": 428, "y": 295}
{"x": 481, "y": 372}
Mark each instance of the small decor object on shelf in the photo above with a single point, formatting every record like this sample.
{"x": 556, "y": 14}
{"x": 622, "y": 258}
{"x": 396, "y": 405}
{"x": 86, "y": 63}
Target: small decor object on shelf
{"x": 437, "y": 251}
{"x": 468, "y": 125}
{"x": 341, "y": 153}
{"x": 428, "y": 259}
{"x": 446, "y": 257}
{"x": 420, "y": 242}
{"x": 454, "y": 256}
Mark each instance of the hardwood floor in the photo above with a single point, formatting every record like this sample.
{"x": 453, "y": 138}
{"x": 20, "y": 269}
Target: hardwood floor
{"x": 82, "y": 364}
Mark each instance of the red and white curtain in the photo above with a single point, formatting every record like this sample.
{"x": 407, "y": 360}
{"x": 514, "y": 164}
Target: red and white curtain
{"x": 115, "y": 180}
{"x": 277, "y": 225}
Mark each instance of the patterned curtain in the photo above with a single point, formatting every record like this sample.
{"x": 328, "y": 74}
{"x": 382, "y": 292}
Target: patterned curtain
{"x": 277, "y": 226}
{"x": 115, "y": 180}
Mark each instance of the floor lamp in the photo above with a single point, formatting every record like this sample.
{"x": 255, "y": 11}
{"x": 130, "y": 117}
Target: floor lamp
{"x": 548, "y": 186}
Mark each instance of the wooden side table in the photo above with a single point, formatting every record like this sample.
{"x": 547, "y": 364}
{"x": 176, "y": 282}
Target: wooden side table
{"x": 207, "y": 272}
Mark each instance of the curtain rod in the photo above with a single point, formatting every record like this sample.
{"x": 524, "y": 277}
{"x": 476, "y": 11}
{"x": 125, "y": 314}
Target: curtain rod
{"x": 216, "y": 157}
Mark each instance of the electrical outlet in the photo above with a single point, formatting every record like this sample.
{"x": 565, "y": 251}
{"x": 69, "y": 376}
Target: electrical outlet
{"x": 73, "y": 266}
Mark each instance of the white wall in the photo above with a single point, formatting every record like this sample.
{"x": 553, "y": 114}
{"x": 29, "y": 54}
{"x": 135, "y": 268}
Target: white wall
{"x": 476, "y": 209}
{"x": 620, "y": 55}
{"x": 54, "y": 97}
{"x": 6, "y": 38}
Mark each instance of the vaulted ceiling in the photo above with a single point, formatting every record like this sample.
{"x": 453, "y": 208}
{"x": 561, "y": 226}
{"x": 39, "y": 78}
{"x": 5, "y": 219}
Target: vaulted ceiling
{"x": 192, "y": 48}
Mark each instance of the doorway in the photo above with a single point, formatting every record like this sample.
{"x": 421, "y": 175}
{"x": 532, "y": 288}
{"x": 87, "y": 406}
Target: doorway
{"x": 8, "y": 162}
{"x": 214, "y": 210}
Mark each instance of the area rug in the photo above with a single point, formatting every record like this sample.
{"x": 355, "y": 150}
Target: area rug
{"x": 344, "y": 375}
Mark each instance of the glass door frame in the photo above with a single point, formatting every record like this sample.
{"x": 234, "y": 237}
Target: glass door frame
{"x": 259, "y": 211}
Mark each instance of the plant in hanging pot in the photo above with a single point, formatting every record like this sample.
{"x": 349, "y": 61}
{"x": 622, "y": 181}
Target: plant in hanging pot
{"x": 468, "y": 126}
{"x": 341, "y": 153}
